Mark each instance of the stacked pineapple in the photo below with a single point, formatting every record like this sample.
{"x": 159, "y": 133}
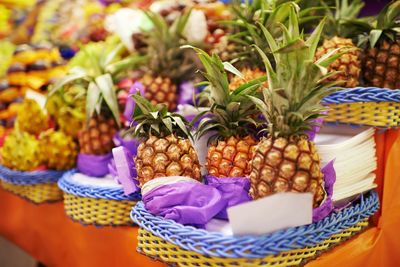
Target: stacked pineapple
{"x": 231, "y": 119}
{"x": 338, "y": 33}
{"x": 92, "y": 74}
{"x": 286, "y": 160}
{"x": 166, "y": 149}
{"x": 168, "y": 65}
{"x": 381, "y": 63}
{"x": 32, "y": 144}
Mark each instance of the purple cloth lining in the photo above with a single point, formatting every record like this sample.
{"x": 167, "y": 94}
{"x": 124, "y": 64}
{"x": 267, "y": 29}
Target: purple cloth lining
{"x": 94, "y": 165}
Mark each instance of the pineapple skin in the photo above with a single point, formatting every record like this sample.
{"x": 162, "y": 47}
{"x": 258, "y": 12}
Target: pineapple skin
{"x": 248, "y": 75}
{"x": 349, "y": 63}
{"x": 168, "y": 156}
{"x": 159, "y": 90}
{"x": 31, "y": 117}
{"x": 58, "y": 150}
{"x": 231, "y": 157}
{"x": 21, "y": 151}
{"x": 286, "y": 165}
{"x": 381, "y": 65}
{"x": 96, "y": 137}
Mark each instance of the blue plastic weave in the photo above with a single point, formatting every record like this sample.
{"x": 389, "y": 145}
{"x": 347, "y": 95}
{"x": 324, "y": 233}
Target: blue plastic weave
{"x": 29, "y": 178}
{"x": 69, "y": 186}
{"x": 218, "y": 245}
{"x": 363, "y": 94}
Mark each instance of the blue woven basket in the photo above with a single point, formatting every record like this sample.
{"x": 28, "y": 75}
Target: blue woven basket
{"x": 29, "y": 178}
{"x": 35, "y": 186}
{"x": 94, "y": 205}
{"x": 371, "y": 106}
{"x": 213, "y": 245}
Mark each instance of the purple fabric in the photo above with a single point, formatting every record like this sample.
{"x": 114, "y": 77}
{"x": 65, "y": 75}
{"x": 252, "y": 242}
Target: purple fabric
{"x": 94, "y": 165}
{"x": 326, "y": 208}
{"x": 372, "y": 7}
{"x": 186, "y": 93}
{"x": 234, "y": 190}
{"x": 125, "y": 170}
{"x": 130, "y": 103}
{"x": 131, "y": 145}
{"x": 315, "y": 129}
{"x": 187, "y": 203}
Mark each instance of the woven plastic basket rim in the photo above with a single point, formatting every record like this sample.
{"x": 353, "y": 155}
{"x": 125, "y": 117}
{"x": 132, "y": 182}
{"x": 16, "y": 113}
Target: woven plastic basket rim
{"x": 217, "y": 245}
{"x": 29, "y": 178}
{"x": 91, "y": 191}
{"x": 363, "y": 94}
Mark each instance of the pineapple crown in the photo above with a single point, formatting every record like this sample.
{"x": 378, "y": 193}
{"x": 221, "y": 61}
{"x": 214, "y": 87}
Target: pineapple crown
{"x": 157, "y": 120}
{"x": 230, "y": 113}
{"x": 248, "y": 15}
{"x": 295, "y": 83}
{"x": 386, "y": 25}
{"x": 165, "y": 58}
{"x": 342, "y": 20}
{"x": 94, "y": 68}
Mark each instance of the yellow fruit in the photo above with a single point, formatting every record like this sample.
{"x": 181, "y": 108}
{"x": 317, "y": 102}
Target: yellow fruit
{"x": 168, "y": 156}
{"x": 349, "y": 64}
{"x": 31, "y": 117}
{"x": 248, "y": 75}
{"x": 21, "y": 151}
{"x": 59, "y": 150}
{"x": 160, "y": 90}
{"x": 286, "y": 165}
{"x": 96, "y": 136}
{"x": 381, "y": 65}
{"x": 231, "y": 157}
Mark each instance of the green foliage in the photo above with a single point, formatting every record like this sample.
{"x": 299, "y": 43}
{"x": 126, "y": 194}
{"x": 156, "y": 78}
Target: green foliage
{"x": 157, "y": 120}
{"x": 95, "y": 67}
{"x": 296, "y": 85}
{"x": 230, "y": 113}
{"x": 165, "y": 58}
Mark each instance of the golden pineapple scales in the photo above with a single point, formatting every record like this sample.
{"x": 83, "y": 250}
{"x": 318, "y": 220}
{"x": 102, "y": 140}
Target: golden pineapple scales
{"x": 96, "y": 136}
{"x": 230, "y": 117}
{"x": 348, "y": 65}
{"x": 381, "y": 63}
{"x": 166, "y": 149}
{"x": 338, "y": 33}
{"x": 168, "y": 65}
{"x": 286, "y": 160}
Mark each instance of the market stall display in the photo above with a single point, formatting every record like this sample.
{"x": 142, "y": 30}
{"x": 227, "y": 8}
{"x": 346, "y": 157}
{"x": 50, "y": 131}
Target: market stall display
{"x": 222, "y": 134}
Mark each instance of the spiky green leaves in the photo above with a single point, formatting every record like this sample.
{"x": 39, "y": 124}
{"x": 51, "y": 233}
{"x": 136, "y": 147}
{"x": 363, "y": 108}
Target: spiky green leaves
{"x": 163, "y": 48}
{"x": 95, "y": 68}
{"x": 342, "y": 18}
{"x": 292, "y": 100}
{"x": 230, "y": 113}
{"x": 387, "y": 23}
{"x": 157, "y": 121}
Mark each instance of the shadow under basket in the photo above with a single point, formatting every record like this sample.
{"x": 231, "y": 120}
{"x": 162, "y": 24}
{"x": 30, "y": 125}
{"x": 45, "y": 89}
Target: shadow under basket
{"x": 179, "y": 245}
{"x": 37, "y": 186}
{"x": 370, "y": 106}
{"x": 90, "y": 204}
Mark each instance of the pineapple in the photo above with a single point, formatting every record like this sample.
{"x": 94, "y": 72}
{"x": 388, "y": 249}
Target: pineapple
{"x": 31, "y": 118}
{"x": 166, "y": 149}
{"x": 168, "y": 65}
{"x": 60, "y": 150}
{"x": 21, "y": 151}
{"x": 286, "y": 160}
{"x": 248, "y": 74}
{"x": 67, "y": 107}
{"x": 231, "y": 117}
{"x": 337, "y": 33}
{"x": 381, "y": 63}
{"x": 95, "y": 68}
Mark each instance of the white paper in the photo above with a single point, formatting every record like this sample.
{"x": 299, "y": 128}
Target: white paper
{"x": 106, "y": 181}
{"x": 269, "y": 214}
{"x": 219, "y": 226}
